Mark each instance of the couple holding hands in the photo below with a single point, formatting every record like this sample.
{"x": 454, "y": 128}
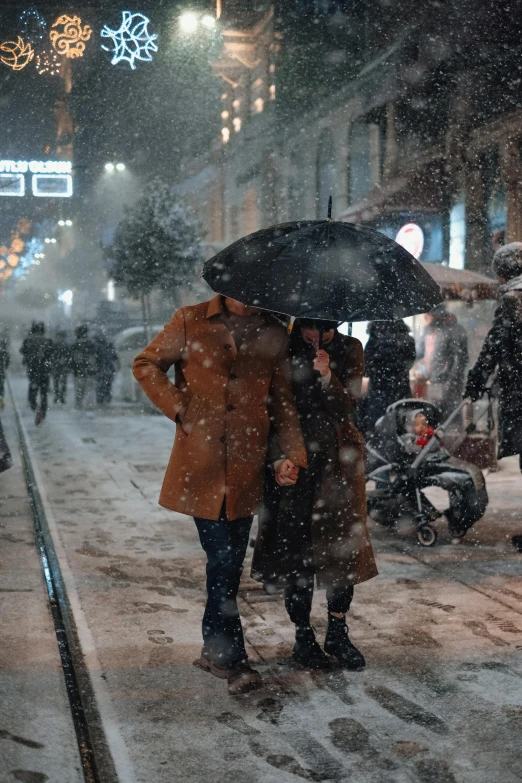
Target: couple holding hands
{"x": 263, "y": 424}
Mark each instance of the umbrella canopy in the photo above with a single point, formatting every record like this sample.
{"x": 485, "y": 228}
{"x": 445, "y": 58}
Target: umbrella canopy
{"x": 323, "y": 269}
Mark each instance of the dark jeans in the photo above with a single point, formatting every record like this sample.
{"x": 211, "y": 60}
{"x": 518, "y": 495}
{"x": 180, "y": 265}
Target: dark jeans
{"x": 298, "y": 601}
{"x": 225, "y": 544}
{"x": 38, "y": 383}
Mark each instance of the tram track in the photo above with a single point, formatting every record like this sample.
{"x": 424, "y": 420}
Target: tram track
{"x": 96, "y": 760}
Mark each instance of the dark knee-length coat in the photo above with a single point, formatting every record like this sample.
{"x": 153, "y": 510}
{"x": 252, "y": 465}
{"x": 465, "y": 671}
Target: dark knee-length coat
{"x": 503, "y": 349}
{"x": 339, "y": 545}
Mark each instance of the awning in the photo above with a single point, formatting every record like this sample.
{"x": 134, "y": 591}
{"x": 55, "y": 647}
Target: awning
{"x": 462, "y": 283}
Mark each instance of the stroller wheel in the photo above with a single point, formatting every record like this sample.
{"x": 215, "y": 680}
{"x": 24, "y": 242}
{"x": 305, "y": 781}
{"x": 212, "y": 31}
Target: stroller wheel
{"x": 426, "y": 535}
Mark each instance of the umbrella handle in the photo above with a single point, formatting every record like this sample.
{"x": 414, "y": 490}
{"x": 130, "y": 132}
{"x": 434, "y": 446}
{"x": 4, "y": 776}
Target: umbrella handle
{"x": 330, "y": 208}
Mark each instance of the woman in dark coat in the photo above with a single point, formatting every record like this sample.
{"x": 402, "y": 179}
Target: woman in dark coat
{"x": 318, "y": 526}
{"x": 503, "y": 349}
{"x": 388, "y": 357}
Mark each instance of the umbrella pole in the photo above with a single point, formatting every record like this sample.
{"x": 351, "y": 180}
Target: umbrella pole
{"x": 330, "y": 208}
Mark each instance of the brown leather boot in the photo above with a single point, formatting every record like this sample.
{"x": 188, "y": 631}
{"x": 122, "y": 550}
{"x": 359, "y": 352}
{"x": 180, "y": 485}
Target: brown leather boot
{"x": 242, "y": 678}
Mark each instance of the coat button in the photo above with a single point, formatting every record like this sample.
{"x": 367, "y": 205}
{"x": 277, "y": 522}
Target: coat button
{"x": 228, "y": 347}
{"x": 223, "y": 438}
{"x": 232, "y": 376}
{"x": 230, "y": 407}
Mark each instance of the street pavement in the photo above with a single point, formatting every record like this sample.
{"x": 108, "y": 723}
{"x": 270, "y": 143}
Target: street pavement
{"x": 441, "y": 629}
{"x": 36, "y": 728}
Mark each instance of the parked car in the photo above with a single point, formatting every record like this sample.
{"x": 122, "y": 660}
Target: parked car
{"x": 128, "y": 344}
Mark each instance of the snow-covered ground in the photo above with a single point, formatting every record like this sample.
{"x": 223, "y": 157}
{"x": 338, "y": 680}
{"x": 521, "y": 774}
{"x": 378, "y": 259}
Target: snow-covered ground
{"x": 439, "y": 702}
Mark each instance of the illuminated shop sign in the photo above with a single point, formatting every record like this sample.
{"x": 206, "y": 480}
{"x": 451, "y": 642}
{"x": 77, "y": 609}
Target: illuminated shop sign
{"x": 36, "y": 166}
{"x": 50, "y": 178}
{"x": 12, "y": 185}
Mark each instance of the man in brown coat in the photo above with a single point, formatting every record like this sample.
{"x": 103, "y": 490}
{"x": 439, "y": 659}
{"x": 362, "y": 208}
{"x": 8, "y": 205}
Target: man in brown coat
{"x": 231, "y": 381}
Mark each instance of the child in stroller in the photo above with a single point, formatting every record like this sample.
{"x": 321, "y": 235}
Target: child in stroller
{"x": 404, "y": 456}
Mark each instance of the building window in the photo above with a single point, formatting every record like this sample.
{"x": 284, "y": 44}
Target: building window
{"x": 236, "y": 122}
{"x": 224, "y": 115}
{"x": 457, "y": 247}
{"x": 494, "y": 198}
{"x": 272, "y": 92}
{"x": 326, "y": 172}
{"x": 359, "y": 162}
{"x": 225, "y": 135}
{"x": 258, "y": 106}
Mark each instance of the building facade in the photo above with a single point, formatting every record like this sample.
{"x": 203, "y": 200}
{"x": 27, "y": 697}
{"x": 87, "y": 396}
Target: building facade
{"x": 424, "y": 136}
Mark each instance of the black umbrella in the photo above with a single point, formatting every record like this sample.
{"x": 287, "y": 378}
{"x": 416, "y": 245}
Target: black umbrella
{"x": 323, "y": 269}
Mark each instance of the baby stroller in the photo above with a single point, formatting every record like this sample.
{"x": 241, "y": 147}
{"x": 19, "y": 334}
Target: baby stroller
{"x": 401, "y": 470}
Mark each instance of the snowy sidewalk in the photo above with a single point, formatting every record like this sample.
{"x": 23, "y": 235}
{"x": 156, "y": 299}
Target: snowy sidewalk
{"x": 440, "y": 701}
{"x": 37, "y": 738}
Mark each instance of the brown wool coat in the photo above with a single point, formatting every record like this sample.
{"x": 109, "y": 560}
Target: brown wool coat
{"x": 341, "y": 549}
{"x": 228, "y": 398}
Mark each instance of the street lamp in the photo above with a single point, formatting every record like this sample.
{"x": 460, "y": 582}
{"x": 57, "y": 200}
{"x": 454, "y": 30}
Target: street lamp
{"x": 109, "y": 167}
{"x": 188, "y": 22}
{"x": 120, "y": 166}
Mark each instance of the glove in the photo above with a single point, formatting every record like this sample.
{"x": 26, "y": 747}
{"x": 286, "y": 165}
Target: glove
{"x": 473, "y": 393}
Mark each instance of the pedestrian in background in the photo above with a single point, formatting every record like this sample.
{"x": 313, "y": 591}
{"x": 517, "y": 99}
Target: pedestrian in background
{"x": 4, "y": 364}
{"x": 443, "y": 359}
{"x": 231, "y": 380}
{"x": 503, "y": 349}
{"x": 37, "y": 356}
{"x": 388, "y": 357}
{"x": 84, "y": 364}
{"x": 316, "y": 529}
{"x": 106, "y": 367}
{"x": 61, "y": 366}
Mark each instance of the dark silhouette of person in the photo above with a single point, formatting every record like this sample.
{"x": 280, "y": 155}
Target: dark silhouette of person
{"x": 37, "y": 352}
{"x": 107, "y": 365}
{"x": 61, "y": 366}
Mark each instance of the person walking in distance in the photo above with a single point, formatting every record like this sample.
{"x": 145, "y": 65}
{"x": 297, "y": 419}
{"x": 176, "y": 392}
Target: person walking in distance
{"x": 4, "y": 364}
{"x": 84, "y": 364}
{"x": 107, "y": 365}
{"x": 231, "y": 380}
{"x": 37, "y": 357}
{"x": 444, "y": 358}
{"x": 61, "y": 366}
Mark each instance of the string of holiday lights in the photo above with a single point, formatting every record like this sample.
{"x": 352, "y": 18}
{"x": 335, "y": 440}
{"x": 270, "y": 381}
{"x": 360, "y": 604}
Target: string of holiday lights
{"x": 68, "y": 36}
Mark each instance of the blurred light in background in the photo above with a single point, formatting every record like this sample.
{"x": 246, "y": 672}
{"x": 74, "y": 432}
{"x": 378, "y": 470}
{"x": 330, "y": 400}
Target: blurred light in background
{"x": 120, "y": 166}
{"x": 66, "y": 297}
{"x": 109, "y": 167}
{"x": 188, "y": 22}
{"x": 208, "y": 21}
{"x": 110, "y": 291}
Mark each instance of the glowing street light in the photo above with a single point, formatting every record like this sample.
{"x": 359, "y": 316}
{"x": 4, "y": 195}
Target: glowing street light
{"x": 68, "y": 222}
{"x": 109, "y": 167}
{"x": 61, "y": 222}
{"x": 120, "y": 166}
{"x": 208, "y": 21}
{"x": 188, "y": 22}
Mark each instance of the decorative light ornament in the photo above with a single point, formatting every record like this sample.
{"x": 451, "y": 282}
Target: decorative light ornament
{"x": 33, "y": 27}
{"x": 132, "y": 41}
{"x": 17, "y": 54}
{"x": 68, "y": 36}
{"x": 48, "y": 62}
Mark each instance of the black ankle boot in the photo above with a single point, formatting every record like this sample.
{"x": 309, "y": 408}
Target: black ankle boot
{"x": 338, "y": 644}
{"x": 306, "y": 650}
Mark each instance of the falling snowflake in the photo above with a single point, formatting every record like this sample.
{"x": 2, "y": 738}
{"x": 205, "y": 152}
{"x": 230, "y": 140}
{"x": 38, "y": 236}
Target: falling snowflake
{"x": 132, "y": 41}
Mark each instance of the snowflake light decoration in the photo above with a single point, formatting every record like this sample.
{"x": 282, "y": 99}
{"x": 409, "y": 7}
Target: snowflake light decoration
{"x": 17, "y": 54}
{"x": 33, "y": 27}
{"x": 132, "y": 41}
{"x": 68, "y": 36}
